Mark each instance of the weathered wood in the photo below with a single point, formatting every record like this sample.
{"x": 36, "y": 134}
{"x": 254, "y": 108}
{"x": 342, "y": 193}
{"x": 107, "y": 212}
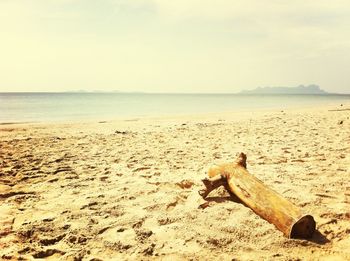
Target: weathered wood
{"x": 265, "y": 202}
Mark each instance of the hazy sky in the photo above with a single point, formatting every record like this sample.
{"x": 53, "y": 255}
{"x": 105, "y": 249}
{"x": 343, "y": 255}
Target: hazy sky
{"x": 173, "y": 45}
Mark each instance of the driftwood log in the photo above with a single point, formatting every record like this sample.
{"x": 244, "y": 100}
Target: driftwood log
{"x": 265, "y": 202}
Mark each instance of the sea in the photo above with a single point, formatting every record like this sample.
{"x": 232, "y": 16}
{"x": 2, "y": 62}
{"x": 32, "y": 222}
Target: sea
{"x": 58, "y": 107}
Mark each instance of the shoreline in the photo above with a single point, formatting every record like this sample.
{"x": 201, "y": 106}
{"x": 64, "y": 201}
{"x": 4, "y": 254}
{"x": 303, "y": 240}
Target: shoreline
{"x": 178, "y": 108}
{"x": 334, "y": 106}
{"x": 128, "y": 189}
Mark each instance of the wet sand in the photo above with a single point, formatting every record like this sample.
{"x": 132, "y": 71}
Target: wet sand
{"x": 128, "y": 189}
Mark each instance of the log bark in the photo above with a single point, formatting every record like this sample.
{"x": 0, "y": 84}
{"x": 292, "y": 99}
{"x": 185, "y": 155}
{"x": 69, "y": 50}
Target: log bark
{"x": 264, "y": 201}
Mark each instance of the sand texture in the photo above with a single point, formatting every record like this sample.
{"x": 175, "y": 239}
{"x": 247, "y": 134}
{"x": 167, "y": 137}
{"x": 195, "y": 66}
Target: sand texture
{"x": 128, "y": 189}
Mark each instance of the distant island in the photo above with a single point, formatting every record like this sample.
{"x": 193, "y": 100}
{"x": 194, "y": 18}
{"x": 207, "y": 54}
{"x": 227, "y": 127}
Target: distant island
{"x": 301, "y": 89}
{"x": 92, "y": 91}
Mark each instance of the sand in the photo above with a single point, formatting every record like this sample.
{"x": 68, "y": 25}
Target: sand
{"x": 128, "y": 189}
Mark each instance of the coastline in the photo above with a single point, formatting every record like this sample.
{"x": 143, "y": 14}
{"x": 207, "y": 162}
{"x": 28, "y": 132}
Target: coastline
{"x": 343, "y": 105}
{"x": 128, "y": 188}
{"x": 89, "y": 107}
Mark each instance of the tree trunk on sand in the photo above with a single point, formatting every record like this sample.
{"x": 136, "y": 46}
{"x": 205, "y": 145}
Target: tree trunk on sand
{"x": 265, "y": 202}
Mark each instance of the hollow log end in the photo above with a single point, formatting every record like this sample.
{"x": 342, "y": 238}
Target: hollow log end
{"x": 303, "y": 228}
{"x": 242, "y": 159}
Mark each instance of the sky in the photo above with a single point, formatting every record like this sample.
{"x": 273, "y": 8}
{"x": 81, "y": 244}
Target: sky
{"x": 186, "y": 46}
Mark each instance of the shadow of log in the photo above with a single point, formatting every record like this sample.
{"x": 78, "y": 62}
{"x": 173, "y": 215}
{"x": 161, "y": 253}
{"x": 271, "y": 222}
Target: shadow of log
{"x": 318, "y": 238}
{"x": 220, "y": 199}
{"x": 224, "y": 199}
{"x": 211, "y": 185}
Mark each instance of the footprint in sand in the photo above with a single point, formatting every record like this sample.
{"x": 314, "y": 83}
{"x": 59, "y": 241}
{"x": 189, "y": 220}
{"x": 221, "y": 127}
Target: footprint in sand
{"x": 185, "y": 184}
{"x": 6, "y": 219}
{"x": 51, "y": 240}
{"x": 52, "y": 253}
{"x": 337, "y": 225}
{"x": 42, "y": 233}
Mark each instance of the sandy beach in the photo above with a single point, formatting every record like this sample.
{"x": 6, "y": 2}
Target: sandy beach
{"x": 128, "y": 189}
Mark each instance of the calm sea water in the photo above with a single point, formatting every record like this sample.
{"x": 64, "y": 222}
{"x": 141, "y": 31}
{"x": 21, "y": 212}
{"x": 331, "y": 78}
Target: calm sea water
{"x": 29, "y": 107}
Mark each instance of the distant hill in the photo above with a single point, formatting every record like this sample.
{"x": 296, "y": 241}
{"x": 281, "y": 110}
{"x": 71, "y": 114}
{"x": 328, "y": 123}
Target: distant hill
{"x": 301, "y": 89}
{"x": 92, "y": 91}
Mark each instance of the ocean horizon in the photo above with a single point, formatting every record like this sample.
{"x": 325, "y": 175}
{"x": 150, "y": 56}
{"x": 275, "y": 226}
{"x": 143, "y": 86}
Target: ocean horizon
{"x": 18, "y": 107}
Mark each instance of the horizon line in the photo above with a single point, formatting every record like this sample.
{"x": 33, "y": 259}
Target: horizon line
{"x": 181, "y": 93}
